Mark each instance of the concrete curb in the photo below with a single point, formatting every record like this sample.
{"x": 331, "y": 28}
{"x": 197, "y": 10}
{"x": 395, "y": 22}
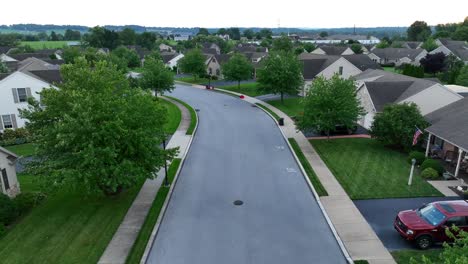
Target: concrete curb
{"x": 154, "y": 233}
{"x": 311, "y": 187}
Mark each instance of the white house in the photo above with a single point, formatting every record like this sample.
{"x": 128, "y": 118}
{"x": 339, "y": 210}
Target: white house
{"x": 9, "y": 184}
{"x": 397, "y": 56}
{"x": 171, "y": 59}
{"x": 377, "y": 88}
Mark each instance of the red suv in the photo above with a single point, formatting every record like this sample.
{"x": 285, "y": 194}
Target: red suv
{"x": 426, "y": 225}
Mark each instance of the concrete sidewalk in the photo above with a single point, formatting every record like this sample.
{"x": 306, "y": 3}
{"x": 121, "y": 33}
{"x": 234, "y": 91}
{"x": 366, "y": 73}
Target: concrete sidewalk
{"x": 122, "y": 242}
{"x": 357, "y": 235}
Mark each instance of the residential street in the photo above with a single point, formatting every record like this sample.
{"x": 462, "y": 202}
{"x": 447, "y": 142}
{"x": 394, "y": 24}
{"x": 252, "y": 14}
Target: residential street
{"x": 238, "y": 153}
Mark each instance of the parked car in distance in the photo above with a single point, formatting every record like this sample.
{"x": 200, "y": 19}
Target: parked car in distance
{"x": 427, "y": 224}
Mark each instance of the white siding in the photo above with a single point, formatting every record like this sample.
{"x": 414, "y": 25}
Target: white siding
{"x": 172, "y": 63}
{"x": 348, "y": 69}
{"x": 11, "y": 174}
{"x": 433, "y": 98}
{"x": 18, "y": 80}
{"x": 366, "y": 103}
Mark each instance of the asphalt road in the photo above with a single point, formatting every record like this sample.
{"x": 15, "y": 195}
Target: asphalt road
{"x": 380, "y": 214}
{"x": 238, "y": 153}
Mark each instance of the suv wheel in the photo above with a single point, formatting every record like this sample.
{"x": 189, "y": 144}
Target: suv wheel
{"x": 424, "y": 241}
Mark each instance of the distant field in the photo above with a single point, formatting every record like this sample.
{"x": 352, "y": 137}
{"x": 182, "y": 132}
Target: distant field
{"x": 45, "y": 44}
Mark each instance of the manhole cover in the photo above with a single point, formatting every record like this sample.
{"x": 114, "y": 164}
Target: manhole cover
{"x": 238, "y": 202}
{"x": 198, "y": 110}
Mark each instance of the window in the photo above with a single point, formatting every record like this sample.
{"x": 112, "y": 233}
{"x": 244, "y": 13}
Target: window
{"x": 210, "y": 71}
{"x": 218, "y": 72}
{"x": 5, "y": 180}
{"x": 456, "y": 220}
{"x": 341, "y": 70}
{"x": 22, "y": 95}
{"x": 7, "y": 123}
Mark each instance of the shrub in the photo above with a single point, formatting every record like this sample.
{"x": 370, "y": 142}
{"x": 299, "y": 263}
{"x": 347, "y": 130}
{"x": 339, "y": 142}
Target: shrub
{"x": 434, "y": 164}
{"x": 2, "y": 229}
{"x": 419, "y": 156}
{"x": 429, "y": 174}
{"x": 14, "y": 137}
{"x": 26, "y": 201}
{"x": 8, "y": 211}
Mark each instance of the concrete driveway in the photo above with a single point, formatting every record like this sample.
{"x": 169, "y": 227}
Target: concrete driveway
{"x": 380, "y": 214}
{"x": 238, "y": 153}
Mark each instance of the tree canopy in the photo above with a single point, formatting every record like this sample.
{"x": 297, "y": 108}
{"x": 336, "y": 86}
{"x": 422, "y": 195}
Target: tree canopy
{"x": 419, "y": 31}
{"x": 463, "y": 77}
{"x": 282, "y": 43}
{"x": 194, "y": 63}
{"x": 237, "y": 68}
{"x": 281, "y": 73}
{"x": 95, "y": 132}
{"x": 433, "y": 63}
{"x": 156, "y": 76}
{"x": 397, "y": 123}
{"x": 329, "y": 103}
{"x": 429, "y": 45}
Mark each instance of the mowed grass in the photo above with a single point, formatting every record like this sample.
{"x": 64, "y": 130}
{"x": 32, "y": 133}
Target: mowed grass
{"x": 390, "y": 69}
{"x": 25, "y": 150}
{"x": 250, "y": 89}
{"x": 290, "y": 106}
{"x": 139, "y": 247}
{"x": 193, "y": 115}
{"x": 45, "y": 44}
{"x": 192, "y": 80}
{"x": 366, "y": 169}
{"x": 67, "y": 227}
{"x": 404, "y": 256}
{"x": 174, "y": 117}
{"x": 268, "y": 110}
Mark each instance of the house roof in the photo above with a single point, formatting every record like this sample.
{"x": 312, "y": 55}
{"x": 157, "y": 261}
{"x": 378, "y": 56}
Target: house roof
{"x": 397, "y": 53}
{"x": 23, "y": 56}
{"x": 142, "y": 52}
{"x": 209, "y": 51}
{"x": 387, "y": 87}
{"x": 221, "y": 58}
{"x": 412, "y": 44}
{"x": 9, "y": 153}
{"x": 5, "y": 49}
{"x": 333, "y": 50}
{"x": 167, "y": 56}
{"x": 34, "y": 64}
{"x": 4, "y": 75}
{"x": 362, "y": 61}
{"x": 49, "y": 76}
{"x": 313, "y": 64}
{"x": 451, "y": 123}
{"x": 459, "y": 48}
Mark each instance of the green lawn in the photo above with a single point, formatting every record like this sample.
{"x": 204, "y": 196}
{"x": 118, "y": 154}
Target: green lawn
{"x": 66, "y": 228}
{"x": 193, "y": 115}
{"x": 390, "y": 69}
{"x": 192, "y": 80}
{"x": 368, "y": 170}
{"x": 310, "y": 172}
{"x": 290, "y": 106}
{"x": 174, "y": 116}
{"x": 404, "y": 256}
{"x": 25, "y": 150}
{"x": 268, "y": 110}
{"x": 45, "y": 44}
{"x": 138, "y": 248}
{"x": 250, "y": 89}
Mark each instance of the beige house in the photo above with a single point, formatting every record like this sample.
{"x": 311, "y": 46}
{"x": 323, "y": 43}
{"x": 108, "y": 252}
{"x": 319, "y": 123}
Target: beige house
{"x": 397, "y": 56}
{"x": 377, "y": 88}
{"x": 9, "y": 184}
{"x": 164, "y": 47}
{"x": 214, "y": 64}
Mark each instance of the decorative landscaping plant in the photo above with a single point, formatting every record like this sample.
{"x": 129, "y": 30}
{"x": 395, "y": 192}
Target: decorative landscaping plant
{"x": 418, "y": 156}
{"x": 429, "y": 174}
{"x": 430, "y": 163}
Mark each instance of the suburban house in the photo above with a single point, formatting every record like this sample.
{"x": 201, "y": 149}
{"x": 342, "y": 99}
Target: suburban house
{"x": 165, "y": 48}
{"x": 214, "y": 63}
{"x": 18, "y": 86}
{"x": 412, "y": 44}
{"x": 461, "y": 90}
{"x": 213, "y": 48}
{"x": 9, "y": 184}
{"x": 245, "y": 48}
{"x": 340, "y": 38}
{"x": 141, "y": 51}
{"x": 333, "y": 50}
{"x": 457, "y": 48}
{"x": 182, "y": 37}
{"x": 448, "y": 132}
{"x": 377, "y": 88}
{"x": 397, "y": 56}
{"x": 210, "y": 51}
{"x": 171, "y": 59}
{"x": 46, "y": 54}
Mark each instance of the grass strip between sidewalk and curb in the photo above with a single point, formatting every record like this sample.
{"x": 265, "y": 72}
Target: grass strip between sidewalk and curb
{"x": 193, "y": 115}
{"x": 139, "y": 247}
{"x": 268, "y": 110}
{"x": 310, "y": 172}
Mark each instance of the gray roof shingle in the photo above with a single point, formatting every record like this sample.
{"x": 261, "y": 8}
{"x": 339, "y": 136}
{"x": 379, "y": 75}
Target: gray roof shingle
{"x": 362, "y": 61}
{"x": 397, "y": 53}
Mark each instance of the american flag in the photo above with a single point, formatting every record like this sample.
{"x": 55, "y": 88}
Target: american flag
{"x": 417, "y": 133}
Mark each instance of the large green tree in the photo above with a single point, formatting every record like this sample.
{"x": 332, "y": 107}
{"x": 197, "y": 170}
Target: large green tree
{"x": 462, "y": 78}
{"x": 96, "y": 133}
{"x": 419, "y": 31}
{"x": 237, "y": 68}
{"x": 3, "y": 67}
{"x": 429, "y": 45}
{"x": 194, "y": 63}
{"x": 156, "y": 76}
{"x": 329, "y": 103}
{"x": 397, "y": 123}
{"x": 127, "y": 36}
{"x": 282, "y": 43}
{"x": 281, "y": 73}
{"x": 70, "y": 54}
{"x": 129, "y": 56}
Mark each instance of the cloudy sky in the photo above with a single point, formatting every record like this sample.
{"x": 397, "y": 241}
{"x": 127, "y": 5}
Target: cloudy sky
{"x": 239, "y": 13}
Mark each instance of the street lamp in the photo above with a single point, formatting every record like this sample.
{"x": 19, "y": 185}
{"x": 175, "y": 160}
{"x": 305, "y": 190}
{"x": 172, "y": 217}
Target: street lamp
{"x": 166, "y": 180}
{"x": 410, "y": 180}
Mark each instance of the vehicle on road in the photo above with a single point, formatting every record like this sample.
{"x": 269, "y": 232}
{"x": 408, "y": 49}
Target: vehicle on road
{"x": 427, "y": 224}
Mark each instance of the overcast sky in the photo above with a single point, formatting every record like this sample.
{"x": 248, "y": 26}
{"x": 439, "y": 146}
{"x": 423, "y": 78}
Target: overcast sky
{"x": 234, "y": 13}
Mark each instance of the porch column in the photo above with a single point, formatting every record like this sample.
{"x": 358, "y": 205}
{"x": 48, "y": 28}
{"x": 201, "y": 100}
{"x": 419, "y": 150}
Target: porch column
{"x": 428, "y": 144}
{"x": 460, "y": 154}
